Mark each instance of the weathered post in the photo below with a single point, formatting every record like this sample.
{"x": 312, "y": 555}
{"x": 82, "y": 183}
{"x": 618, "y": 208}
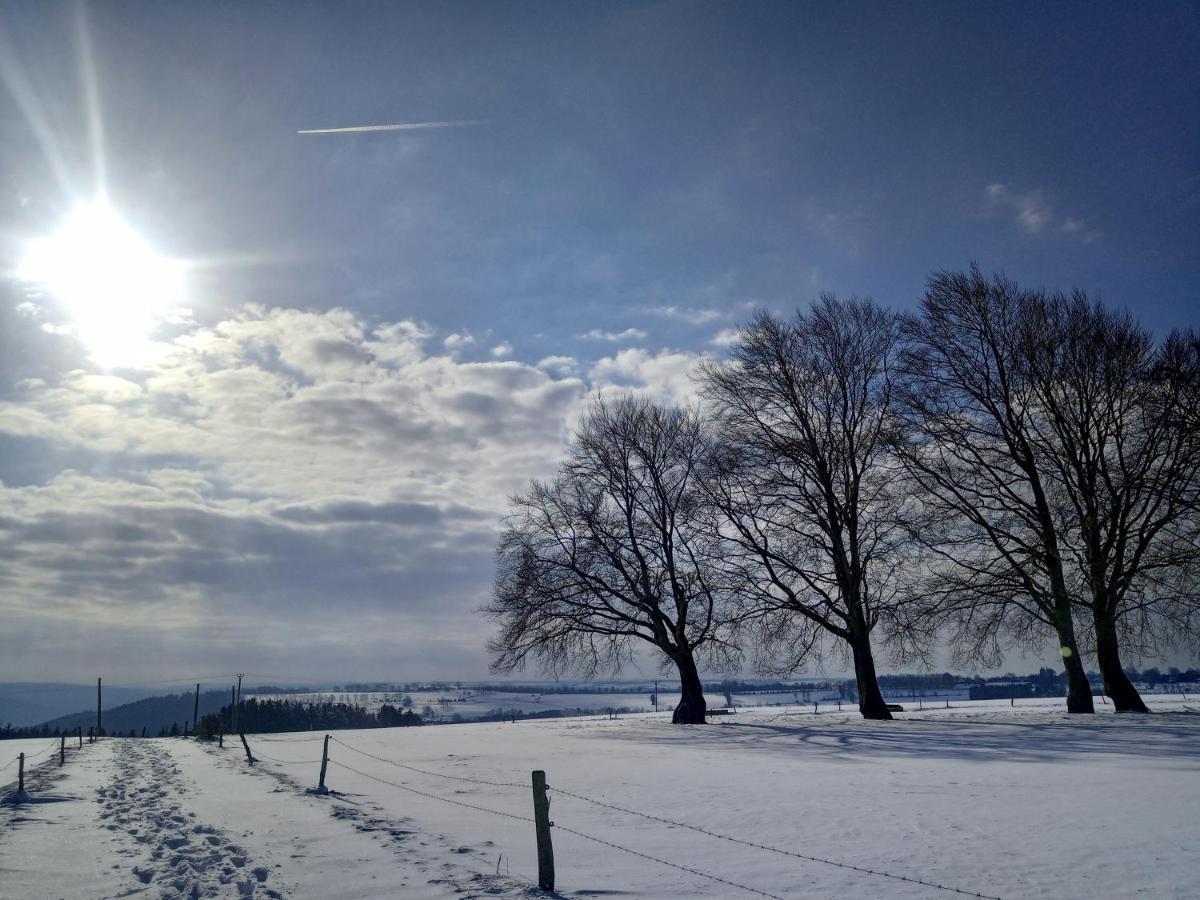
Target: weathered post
{"x": 196, "y": 709}
{"x": 62, "y": 750}
{"x": 542, "y": 823}
{"x": 221, "y": 733}
{"x": 237, "y": 706}
{"x": 97, "y": 707}
{"x": 79, "y": 732}
{"x": 249, "y": 755}
{"x": 21, "y": 775}
{"x": 321, "y": 789}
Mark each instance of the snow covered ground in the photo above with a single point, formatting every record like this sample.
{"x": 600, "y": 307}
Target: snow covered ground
{"x": 1003, "y": 801}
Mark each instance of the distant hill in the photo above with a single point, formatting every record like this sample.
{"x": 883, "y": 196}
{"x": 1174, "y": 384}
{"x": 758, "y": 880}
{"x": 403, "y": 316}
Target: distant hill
{"x": 31, "y": 703}
{"x": 151, "y": 713}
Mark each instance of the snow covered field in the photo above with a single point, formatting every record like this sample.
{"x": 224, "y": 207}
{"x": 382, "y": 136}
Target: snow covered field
{"x": 1006, "y": 802}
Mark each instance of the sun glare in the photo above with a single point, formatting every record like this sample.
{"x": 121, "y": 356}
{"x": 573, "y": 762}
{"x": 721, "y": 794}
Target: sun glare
{"x": 112, "y": 283}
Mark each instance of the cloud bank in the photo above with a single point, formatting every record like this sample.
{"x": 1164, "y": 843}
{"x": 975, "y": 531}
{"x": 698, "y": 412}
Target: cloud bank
{"x": 315, "y": 491}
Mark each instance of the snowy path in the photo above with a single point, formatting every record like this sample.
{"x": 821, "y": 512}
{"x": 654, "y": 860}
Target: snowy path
{"x": 342, "y": 846}
{"x": 115, "y": 822}
{"x": 182, "y": 855}
{"x": 172, "y": 819}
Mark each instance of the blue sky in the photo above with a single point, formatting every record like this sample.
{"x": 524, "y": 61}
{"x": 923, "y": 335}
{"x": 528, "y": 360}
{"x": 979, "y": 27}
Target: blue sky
{"x": 386, "y": 333}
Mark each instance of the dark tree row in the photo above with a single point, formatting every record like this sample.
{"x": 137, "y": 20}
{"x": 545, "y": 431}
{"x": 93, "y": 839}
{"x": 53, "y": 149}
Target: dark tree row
{"x": 1002, "y": 467}
{"x": 269, "y": 716}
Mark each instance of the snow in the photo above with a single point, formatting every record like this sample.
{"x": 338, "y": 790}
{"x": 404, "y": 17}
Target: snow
{"x": 1007, "y": 801}
{"x": 475, "y": 704}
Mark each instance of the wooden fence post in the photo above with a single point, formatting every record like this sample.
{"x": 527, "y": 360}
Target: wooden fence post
{"x": 249, "y": 755}
{"x": 21, "y": 775}
{"x": 221, "y": 733}
{"x": 62, "y": 750}
{"x": 321, "y": 789}
{"x": 79, "y": 731}
{"x": 542, "y": 823}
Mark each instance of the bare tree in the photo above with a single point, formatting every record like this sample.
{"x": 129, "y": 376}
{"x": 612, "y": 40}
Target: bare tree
{"x": 1112, "y": 421}
{"x": 806, "y": 483}
{"x": 1003, "y": 544}
{"x": 616, "y": 554}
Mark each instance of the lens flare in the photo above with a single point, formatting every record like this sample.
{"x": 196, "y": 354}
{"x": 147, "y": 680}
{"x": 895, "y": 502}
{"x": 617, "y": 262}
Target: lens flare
{"x": 115, "y": 287}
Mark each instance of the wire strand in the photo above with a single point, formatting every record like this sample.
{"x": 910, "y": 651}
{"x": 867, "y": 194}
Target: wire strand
{"x": 495, "y": 812}
{"x": 267, "y": 740}
{"x": 258, "y": 754}
{"x": 665, "y": 862}
{"x": 726, "y": 837}
{"x": 400, "y": 765}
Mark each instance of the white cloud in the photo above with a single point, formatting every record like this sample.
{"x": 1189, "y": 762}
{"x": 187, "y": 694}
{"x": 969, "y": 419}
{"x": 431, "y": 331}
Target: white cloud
{"x": 458, "y": 340}
{"x": 502, "y": 350}
{"x": 558, "y": 365}
{"x": 268, "y": 467}
{"x": 629, "y": 334}
{"x": 687, "y": 314}
{"x": 1035, "y": 213}
{"x": 726, "y": 337}
{"x": 272, "y": 464}
{"x": 666, "y": 375}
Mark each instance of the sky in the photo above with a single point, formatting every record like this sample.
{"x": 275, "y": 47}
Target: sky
{"x": 299, "y": 465}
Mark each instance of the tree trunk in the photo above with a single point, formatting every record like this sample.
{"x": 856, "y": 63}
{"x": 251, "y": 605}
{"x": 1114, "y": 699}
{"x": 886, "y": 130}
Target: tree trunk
{"x": 870, "y": 698}
{"x": 691, "y": 708}
{"x": 1079, "y": 690}
{"x": 1117, "y": 685}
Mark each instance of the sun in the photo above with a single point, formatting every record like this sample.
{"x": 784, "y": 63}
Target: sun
{"x": 111, "y": 282}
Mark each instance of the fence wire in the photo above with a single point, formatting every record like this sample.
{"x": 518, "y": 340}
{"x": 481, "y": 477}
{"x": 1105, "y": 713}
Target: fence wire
{"x": 726, "y": 837}
{"x": 666, "y": 862}
{"x": 411, "y": 790}
{"x": 603, "y": 804}
{"x": 304, "y": 740}
{"x": 258, "y": 754}
{"x": 400, "y": 765}
{"x": 697, "y": 872}
{"x": 671, "y": 822}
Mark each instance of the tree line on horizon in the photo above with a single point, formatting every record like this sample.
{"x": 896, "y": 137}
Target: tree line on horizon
{"x": 1000, "y": 468}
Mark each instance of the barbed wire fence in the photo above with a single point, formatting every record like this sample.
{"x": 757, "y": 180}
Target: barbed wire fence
{"x": 583, "y": 835}
{"x": 27, "y": 762}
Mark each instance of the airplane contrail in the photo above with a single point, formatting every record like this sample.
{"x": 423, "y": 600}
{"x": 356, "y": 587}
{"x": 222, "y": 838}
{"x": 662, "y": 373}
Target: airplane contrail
{"x": 404, "y": 126}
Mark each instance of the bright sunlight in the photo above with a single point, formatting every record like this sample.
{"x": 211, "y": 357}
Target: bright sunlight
{"x": 114, "y": 285}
